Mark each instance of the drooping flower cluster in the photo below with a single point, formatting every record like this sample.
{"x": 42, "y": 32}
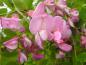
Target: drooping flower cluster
{"x": 52, "y": 26}
{"x": 51, "y": 20}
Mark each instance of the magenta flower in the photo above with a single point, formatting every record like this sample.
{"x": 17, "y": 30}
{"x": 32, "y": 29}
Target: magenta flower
{"x": 37, "y": 56}
{"x": 25, "y": 41}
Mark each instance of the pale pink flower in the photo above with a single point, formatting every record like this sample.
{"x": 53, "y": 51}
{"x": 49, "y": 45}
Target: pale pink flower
{"x": 62, "y": 4}
{"x": 38, "y": 41}
{"x": 22, "y": 57}
{"x": 43, "y": 34}
{"x": 57, "y": 36}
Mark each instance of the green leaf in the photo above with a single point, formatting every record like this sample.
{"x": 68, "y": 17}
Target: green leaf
{"x": 23, "y": 4}
{"x": 9, "y": 3}
{"x": 3, "y": 11}
{"x": 8, "y": 58}
{"x": 81, "y": 57}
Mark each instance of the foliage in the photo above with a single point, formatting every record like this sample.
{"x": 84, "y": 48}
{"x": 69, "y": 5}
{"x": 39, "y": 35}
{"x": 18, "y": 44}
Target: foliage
{"x": 76, "y": 57}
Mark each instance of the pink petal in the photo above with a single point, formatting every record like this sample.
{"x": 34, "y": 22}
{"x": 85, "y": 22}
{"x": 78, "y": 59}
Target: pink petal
{"x": 0, "y": 24}
{"x": 12, "y": 43}
{"x": 11, "y": 23}
{"x": 38, "y": 41}
{"x": 38, "y": 56}
{"x": 22, "y": 57}
{"x": 35, "y": 25}
{"x": 65, "y": 47}
{"x": 74, "y": 15}
{"x": 41, "y": 23}
{"x": 40, "y": 9}
{"x": 74, "y": 12}
{"x": 26, "y": 41}
{"x": 43, "y": 34}
{"x": 61, "y": 25}
{"x": 62, "y": 3}
{"x": 57, "y": 36}
{"x": 83, "y": 40}
{"x": 50, "y": 36}
{"x": 48, "y": 23}
{"x": 49, "y": 2}
{"x": 70, "y": 22}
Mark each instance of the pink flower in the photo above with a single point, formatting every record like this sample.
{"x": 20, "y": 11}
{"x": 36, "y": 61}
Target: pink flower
{"x": 62, "y": 4}
{"x": 74, "y": 15}
{"x": 57, "y": 36}
{"x": 26, "y": 42}
{"x": 43, "y": 34}
{"x": 40, "y": 10}
{"x": 83, "y": 40}
{"x": 61, "y": 25}
{"x": 38, "y": 41}
{"x": 22, "y": 57}
{"x": 11, "y": 44}
{"x": 65, "y": 47}
{"x": 49, "y": 2}
{"x": 11, "y": 23}
{"x": 44, "y": 26}
{"x": 0, "y": 24}
{"x": 37, "y": 56}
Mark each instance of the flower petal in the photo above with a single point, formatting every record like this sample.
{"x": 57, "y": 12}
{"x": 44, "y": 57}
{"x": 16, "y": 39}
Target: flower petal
{"x": 12, "y": 43}
{"x": 65, "y": 47}
{"x": 57, "y": 36}
{"x": 38, "y": 41}
{"x": 22, "y": 58}
{"x": 38, "y": 56}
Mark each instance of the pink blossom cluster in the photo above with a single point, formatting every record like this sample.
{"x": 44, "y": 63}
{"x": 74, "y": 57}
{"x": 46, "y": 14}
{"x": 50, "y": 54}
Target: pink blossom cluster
{"x": 49, "y": 21}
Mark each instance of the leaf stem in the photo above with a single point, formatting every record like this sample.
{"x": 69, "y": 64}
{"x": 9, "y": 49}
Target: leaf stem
{"x": 20, "y": 12}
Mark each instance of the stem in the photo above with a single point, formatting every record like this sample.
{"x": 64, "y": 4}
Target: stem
{"x": 75, "y": 55}
{"x": 75, "y": 62}
{"x": 19, "y": 12}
